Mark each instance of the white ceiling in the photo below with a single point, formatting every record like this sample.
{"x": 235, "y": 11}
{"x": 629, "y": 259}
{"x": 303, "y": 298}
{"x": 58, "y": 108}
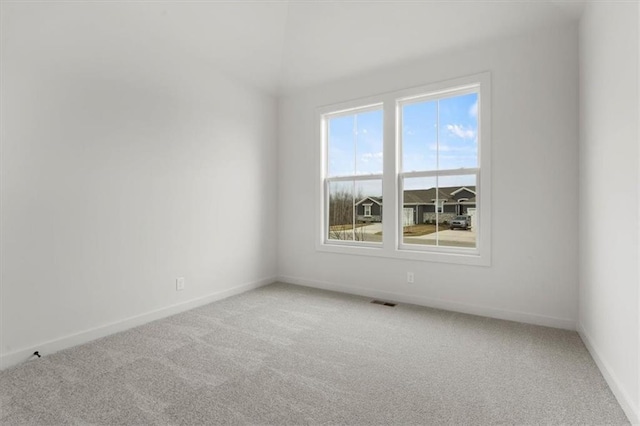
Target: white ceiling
{"x": 275, "y": 45}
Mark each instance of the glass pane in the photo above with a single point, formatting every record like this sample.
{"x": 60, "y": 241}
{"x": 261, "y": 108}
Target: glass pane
{"x": 368, "y": 206}
{"x": 458, "y": 132}
{"x": 354, "y": 144}
{"x": 419, "y": 213}
{"x": 341, "y": 146}
{"x": 440, "y": 211}
{"x": 459, "y": 220}
{"x": 419, "y": 136}
{"x": 341, "y": 218}
{"x": 369, "y": 142}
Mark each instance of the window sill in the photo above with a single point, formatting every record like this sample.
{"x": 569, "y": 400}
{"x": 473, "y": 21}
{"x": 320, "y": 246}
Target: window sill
{"x": 469, "y": 257}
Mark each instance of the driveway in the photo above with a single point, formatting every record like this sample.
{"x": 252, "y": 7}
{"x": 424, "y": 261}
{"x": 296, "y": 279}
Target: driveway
{"x": 458, "y": 235}
{"x": 446, "y": 237}
{"x": 373, "y": 228}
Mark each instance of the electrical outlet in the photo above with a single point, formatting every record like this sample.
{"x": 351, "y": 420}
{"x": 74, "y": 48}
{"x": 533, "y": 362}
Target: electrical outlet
{"x": 410, "y": 277}
{"x": 180, "y": 284}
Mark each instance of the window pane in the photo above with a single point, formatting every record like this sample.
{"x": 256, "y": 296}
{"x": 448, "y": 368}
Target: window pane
{"x": 440, "y": 211}
{"x": 419, "y": 214}
{"x": 368, "y": 200}
{"x": 419, "y": 136}
{"x": 369, "y": 142}
{"x": 458, "y": 220}
{"x": 458, "y": 132}
{"x": 341, "y": 146}
{"x": 354, "y": 144}
{"x": 341, "y": 217}
{"x": 348, "y": 203}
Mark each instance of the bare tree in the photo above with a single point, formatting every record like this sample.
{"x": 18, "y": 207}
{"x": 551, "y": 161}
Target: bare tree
{"x": 341, "y": 206}
{"x": 342, "y": 216}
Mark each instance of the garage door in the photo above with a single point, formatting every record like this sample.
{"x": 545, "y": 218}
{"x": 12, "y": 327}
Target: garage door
{"x": 407, "y": 217}
{"x": 474, "y": 220}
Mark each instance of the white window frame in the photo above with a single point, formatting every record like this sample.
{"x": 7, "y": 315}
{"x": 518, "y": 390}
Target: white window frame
{"x": 392, "y": 246}
{"x": 367, "y": 207}
{"x": 436, "y": 172}
{"x": 375, "y": 106}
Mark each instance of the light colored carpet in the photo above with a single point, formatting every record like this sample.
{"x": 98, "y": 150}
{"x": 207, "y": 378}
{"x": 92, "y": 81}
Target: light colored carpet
{"x": 284, "y": 354}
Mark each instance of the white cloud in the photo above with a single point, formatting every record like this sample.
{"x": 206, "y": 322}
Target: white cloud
{"x": 408, "y": 131}
{"x": 453, "y": 148}
{"x": 473, "y": 111}
{"x": 366, "y": 157}
{"x": 460, "y": 131}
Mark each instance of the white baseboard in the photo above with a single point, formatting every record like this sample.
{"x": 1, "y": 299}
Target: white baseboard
{"x": 485, "y": 311}
{"x": 86, "y": 336}
{"x": 628, "y": 405}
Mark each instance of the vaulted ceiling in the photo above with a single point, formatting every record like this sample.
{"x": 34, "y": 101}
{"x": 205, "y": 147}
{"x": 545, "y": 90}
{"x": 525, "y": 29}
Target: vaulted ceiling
{"x": 275, "y": 45}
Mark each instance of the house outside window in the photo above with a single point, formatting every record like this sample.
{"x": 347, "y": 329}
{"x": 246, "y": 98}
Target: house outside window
{"x": 462, "y": 206}
{"x": 435, "y": 141}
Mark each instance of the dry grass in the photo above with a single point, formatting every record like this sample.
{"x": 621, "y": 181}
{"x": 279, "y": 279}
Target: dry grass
{"x": 346, "y": 227}
{"x": 418, "y": 230}
{"x": 421, "y": 229}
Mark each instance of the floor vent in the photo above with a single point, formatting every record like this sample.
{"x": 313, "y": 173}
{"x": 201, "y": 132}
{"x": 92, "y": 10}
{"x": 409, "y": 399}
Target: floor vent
{"x": 380, "y": 302}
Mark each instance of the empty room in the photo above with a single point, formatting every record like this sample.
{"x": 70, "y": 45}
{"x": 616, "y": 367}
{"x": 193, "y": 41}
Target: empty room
{"x": 319, "y": 212}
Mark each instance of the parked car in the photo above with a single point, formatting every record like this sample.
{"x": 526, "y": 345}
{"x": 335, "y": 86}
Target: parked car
{"x": 463, "y": 222}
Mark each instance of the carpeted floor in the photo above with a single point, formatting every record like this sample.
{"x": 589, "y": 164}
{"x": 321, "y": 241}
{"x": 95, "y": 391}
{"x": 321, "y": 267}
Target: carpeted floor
{"x": 284, "y": 354}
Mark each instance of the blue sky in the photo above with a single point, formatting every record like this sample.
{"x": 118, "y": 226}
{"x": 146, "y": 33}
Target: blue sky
{"x": 355, "y": 144}
{"x": 355, "y": 141}
{"x": 451, "y": 143}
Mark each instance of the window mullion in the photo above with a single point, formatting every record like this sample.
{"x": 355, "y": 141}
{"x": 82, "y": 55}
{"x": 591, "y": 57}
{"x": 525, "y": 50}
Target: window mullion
{"x": 438, "y": 174}
{"x": 389, "y": 182}
{"x": 353, "y": 211}
{"x": 433, "y": 173}
{"x": 354, "y": 178}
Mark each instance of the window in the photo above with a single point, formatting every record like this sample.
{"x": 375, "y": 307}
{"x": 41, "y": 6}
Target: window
{"x": 435, "y": 168}
{"x": 353, "y": 173}
{"x": 438, "y": 139}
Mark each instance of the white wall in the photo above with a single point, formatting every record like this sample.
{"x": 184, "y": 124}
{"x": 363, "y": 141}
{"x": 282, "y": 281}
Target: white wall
{"x": 533, "y": 276}
{"x": 609, "y": 165}
{"x": 123, "y": 168}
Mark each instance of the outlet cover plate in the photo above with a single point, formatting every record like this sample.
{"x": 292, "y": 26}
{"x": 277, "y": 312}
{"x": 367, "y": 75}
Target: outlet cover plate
{"x": 180, "y": 284}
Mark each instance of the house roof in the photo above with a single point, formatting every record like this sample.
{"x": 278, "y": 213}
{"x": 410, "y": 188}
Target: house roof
{"x": 377, "y": 200}
{"x": 463, "y": 188}
{"x": 428, "y": 196}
